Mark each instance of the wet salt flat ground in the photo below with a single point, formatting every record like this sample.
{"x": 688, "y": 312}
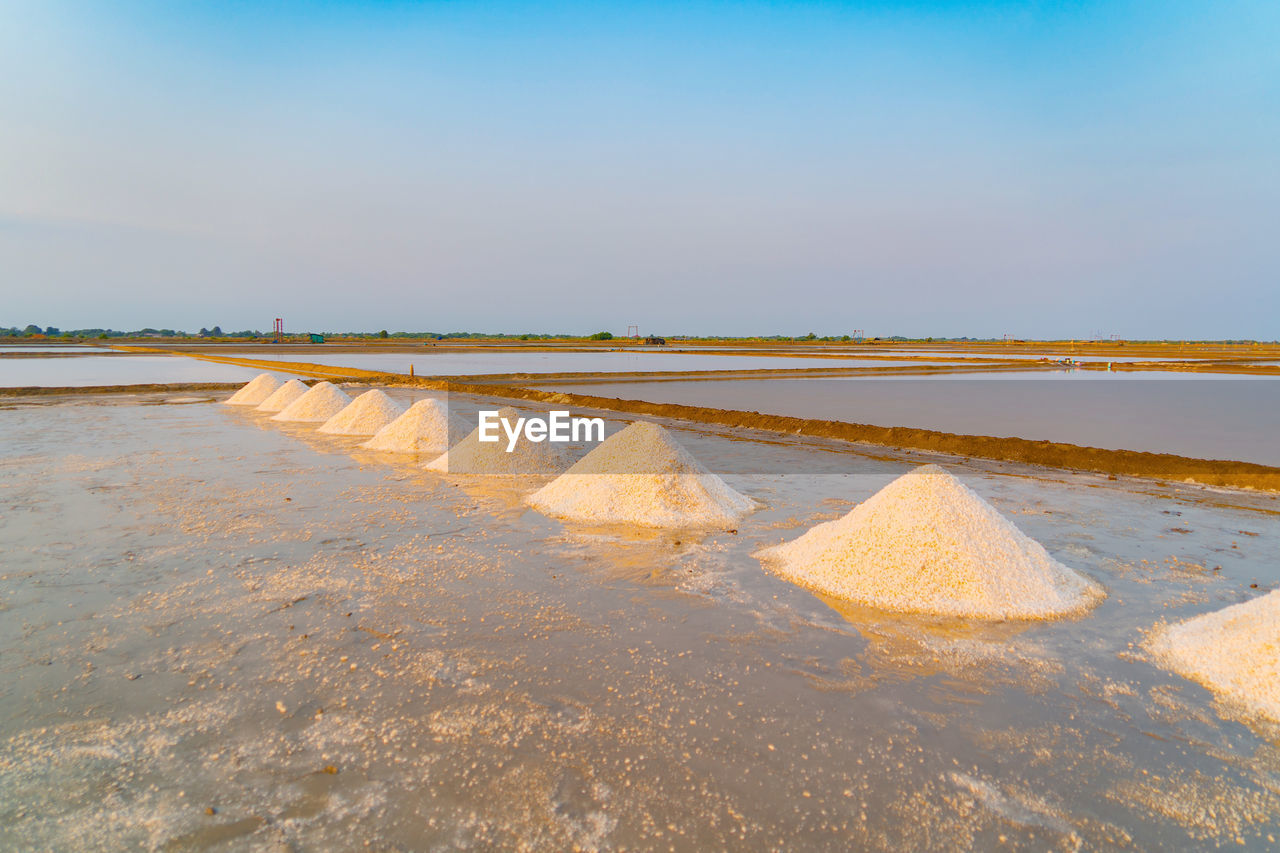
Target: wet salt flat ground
{"x": 1204, "y": 417}
{"x": 219, "y": 632}
{"x": 116, "y": 370}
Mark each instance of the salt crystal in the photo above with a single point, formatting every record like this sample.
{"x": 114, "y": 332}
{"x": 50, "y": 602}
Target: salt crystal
{"x": 1234, "y": 651}
{"x": 255, "y": 392}
{"x": 926, "y": 543}
{"x": 473, "y": 456}
{"x": 366, "y": 414}
{"x": 643, "y": 476}
{"x": 427, "y": 427}
{"x": 322, "y": 402}
{"x": 283, "y": 396}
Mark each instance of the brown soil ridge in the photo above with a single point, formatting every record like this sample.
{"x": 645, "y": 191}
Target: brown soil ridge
{"x": 1129, "y": 463}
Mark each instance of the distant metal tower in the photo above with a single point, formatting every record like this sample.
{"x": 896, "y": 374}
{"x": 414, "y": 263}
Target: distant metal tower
{"x": 858, "y": 334}
{"x": 633, "y": 331}
{"x": 279, "y": 330}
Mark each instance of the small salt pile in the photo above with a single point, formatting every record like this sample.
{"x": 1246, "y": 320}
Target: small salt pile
{"x": 322, "y": 402}
{"x": 257, "y": 390}
{"x": 367, "y": 414}
{"x": 473, "y": 456}
{"x": 642, "y": 476}
{"x": 926, "y": 543}
{"x": 1234, "y": 651}
{"x": 427, "y": 427}
{"x": 283, "y": 396}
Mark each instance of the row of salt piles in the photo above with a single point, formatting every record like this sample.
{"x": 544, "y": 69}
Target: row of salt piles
{"x": 426, "y": 427}
{"x": 925, "y": 543}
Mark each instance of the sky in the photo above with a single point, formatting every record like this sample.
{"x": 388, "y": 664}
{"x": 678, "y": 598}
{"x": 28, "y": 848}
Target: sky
{"x": 1043, "y": 170}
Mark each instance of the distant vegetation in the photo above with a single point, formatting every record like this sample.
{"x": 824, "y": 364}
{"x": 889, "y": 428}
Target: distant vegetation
{"x": 215, "y": 333}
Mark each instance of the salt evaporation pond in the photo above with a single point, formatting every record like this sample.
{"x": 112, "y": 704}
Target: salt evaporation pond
{"x": 217, "y": 633}
{"x": 36, "y": 349}
{"x": 1202, "y": 417}
{"x": 116, "y": 370}
{"x": 427, "y": 363}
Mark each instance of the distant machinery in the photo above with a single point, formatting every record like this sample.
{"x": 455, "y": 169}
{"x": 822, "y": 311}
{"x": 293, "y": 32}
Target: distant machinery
{"x": 279, "y": 330}
{"x": 859, "y": 335}
{"x": 655, "y": 341}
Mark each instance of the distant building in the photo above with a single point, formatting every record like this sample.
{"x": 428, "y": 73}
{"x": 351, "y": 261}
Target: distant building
{"x": 655, "y": 341}
{"x": 317, "y": 339}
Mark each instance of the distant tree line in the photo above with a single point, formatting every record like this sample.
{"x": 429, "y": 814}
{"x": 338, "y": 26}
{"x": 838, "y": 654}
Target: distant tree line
{"x": 216, "y": 332}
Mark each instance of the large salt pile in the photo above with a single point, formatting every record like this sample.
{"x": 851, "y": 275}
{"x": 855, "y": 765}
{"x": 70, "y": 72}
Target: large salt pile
{"x": 1234, "y": 652}
{"x": 473, "y": 456}
{"x": 926, "y": 543}
{"x": 322, "y": 402}
{"x": 257, "y": 390}
{"x": 642, "y": 476}
{"x": 367, "y": 414}
{"x": 283, "y": 396}
{"x": 427, "y": 427}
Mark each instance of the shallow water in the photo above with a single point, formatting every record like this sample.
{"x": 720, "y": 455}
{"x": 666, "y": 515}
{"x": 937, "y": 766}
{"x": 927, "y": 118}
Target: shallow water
{"x": 1201, "y": 417}
{"x": 427, "y": 363}
{"x": 117, "y": 370}
{"x": 35, "y": 349}
{"x": 219, "y": 632}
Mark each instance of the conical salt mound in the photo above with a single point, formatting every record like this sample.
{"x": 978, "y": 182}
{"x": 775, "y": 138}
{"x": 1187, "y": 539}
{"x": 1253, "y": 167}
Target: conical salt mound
{"x": 1234, "y": 652}
{"x": 367, "y": 414}
{"x": 322, "y": 402}
{"x": 427, "y": 427}
{"x": 283, "y": 396}
{"x": 641, "y": 476}
{"x": 473, "y": 456}
{"x": 926, "y": 543}
{"x": 258, "y": 389}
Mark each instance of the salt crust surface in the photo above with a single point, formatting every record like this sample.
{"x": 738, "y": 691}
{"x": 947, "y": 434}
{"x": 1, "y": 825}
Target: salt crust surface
{"x": 1235, "y": 652}
{"x": 365, "y": 415}
{"x": 473, "y": 456}
{"x": 283, "y": 396}
{"x": 426, "y": 427}
{"x": 926, "y": 543}
{"x": 643, "y": 476}
{"x": 258, "y": 389}
{"x": 322, "y": 402}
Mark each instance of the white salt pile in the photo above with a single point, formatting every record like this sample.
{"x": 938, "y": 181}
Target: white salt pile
{"x": 322, "y": 402}
{"x": 926, "y": 543}
{"x": 427, "y": 427}
{"x": 367, "y": 414}
{"x": 283, "y": 396}
{"x": 258, "y": 389}
{"x": 473, "y": 456}
{"x": 1234, "y": 652}
{"x": 642, "y": 476}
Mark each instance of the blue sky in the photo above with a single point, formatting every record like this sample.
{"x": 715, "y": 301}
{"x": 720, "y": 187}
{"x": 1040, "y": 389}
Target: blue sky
{"x": 1037, "y": 169}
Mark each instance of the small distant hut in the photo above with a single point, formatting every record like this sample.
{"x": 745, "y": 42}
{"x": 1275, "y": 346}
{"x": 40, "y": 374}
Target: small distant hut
{"x": 655, "y": 341}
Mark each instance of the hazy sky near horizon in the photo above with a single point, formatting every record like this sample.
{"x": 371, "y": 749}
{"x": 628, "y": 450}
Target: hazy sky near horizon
{"x": 1038, "y": 169}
